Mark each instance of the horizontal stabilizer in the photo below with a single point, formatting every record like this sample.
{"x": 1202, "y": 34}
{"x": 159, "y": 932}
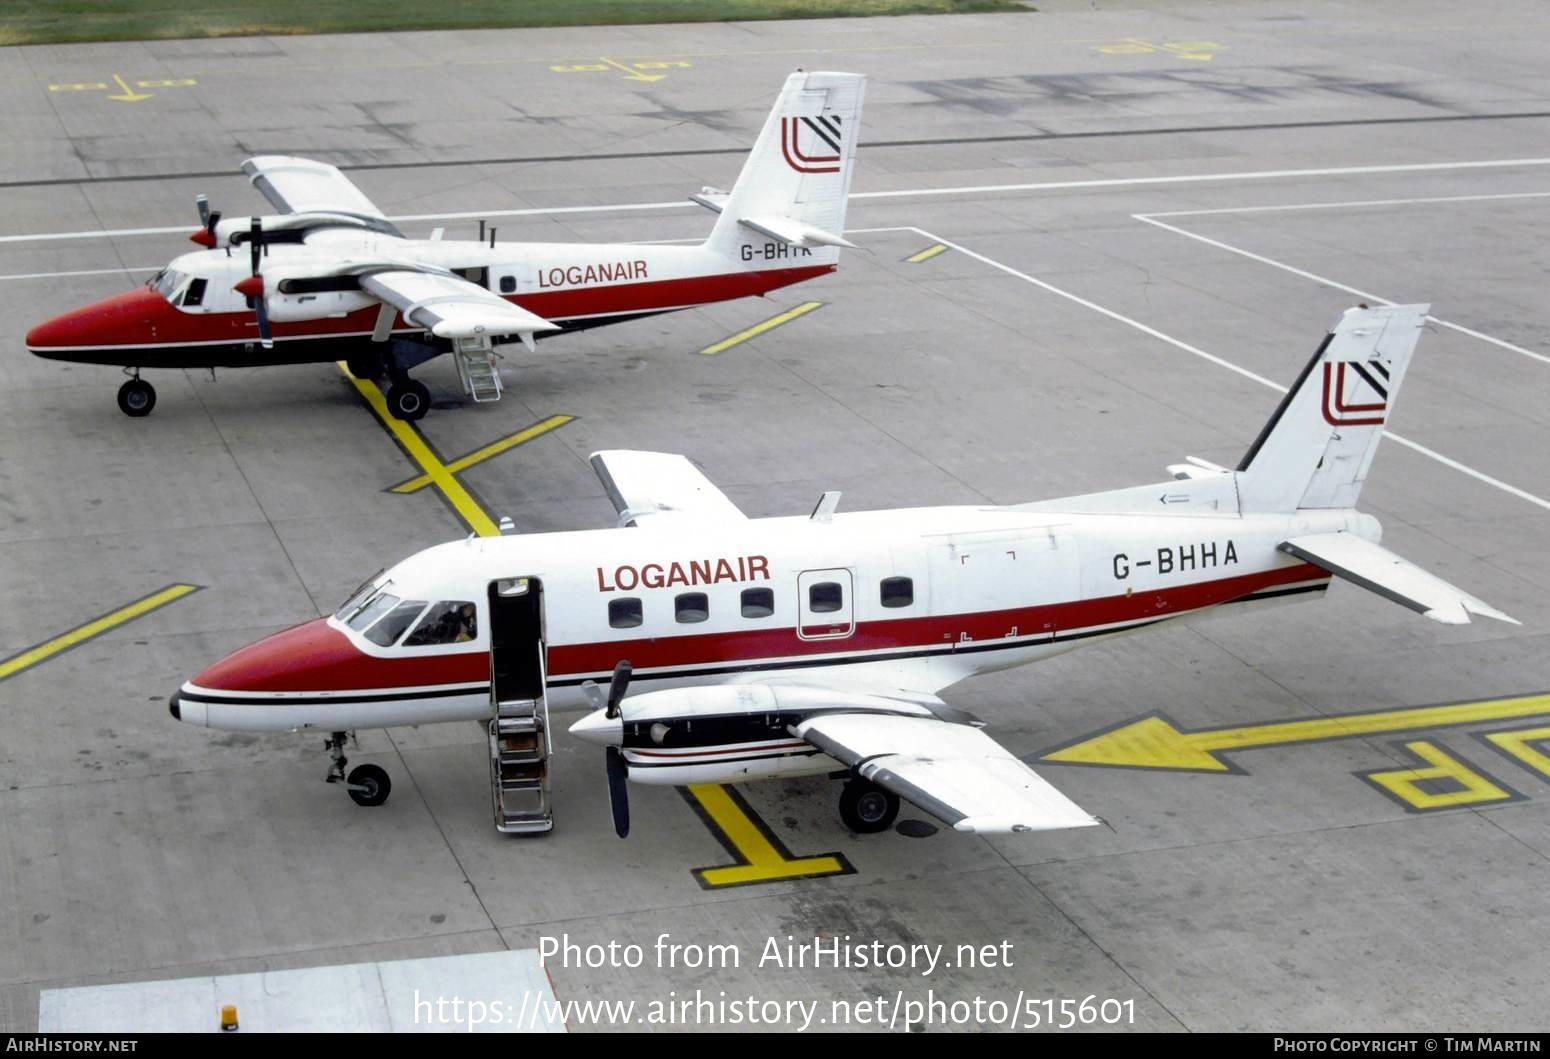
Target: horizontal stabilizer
{"x": 955, "y": 772}
{"x": 713, "y": 199}
{"x": 1379, "y": 570}
{"x": 793, "y": 233}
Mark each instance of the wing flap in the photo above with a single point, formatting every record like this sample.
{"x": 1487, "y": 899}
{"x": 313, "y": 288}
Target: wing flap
{"x": 955, "y": 772}
{"x": 449, "y": 306}
{"x": 301, "y": 185}
{"x": 653, "y": 484}
{"x": 1379, "y": 570}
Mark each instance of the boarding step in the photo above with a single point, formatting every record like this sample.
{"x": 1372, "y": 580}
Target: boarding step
{"x": 476, "y": 368}
{"x": 519, "y": 768}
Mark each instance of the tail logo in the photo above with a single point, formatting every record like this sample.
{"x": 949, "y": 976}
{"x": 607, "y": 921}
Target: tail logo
{"x": 1355, "y": 393}
{"x": 822, "y": 134}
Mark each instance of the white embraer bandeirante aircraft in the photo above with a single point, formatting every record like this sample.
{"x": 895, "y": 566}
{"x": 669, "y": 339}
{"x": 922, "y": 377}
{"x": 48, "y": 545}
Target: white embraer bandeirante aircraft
{"x": 757, "y": 648}
{"x": 331, "y": 278}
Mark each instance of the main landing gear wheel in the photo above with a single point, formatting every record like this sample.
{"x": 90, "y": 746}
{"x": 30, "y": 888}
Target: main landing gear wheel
{"x": 136, "y": 398}
{"x": 866, "y": 808}
{"x": 369, "y": 785}
{"x": 409, "y": 400}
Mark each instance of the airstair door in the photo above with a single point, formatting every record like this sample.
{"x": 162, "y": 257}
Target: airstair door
{"x": 519, "y": 727}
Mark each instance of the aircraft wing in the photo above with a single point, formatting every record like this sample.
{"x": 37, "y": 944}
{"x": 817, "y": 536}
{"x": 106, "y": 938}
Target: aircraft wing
{"x": 655, "y": 484}
{"x": 449, "y": 306}
{"x": 955, "y": 772}
{"x": 1379, "y": 570}
{"x": 300, "y": 185}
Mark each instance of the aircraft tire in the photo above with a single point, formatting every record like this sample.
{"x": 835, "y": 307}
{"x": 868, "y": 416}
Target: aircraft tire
{"x": 866, "y": 808}
{"x": 376, "y": 782}
{"x": 136, "y": 398}
{"x": 409, "y": 401}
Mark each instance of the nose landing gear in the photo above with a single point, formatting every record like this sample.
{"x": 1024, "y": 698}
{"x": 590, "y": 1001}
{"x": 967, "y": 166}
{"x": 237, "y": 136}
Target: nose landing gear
{"x": 367, "y": 784}
{"x": 136, "y": 397}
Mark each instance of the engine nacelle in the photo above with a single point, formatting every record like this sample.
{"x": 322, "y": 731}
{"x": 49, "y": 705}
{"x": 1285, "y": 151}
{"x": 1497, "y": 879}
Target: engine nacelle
{"x": 290, "y": 227}
{"x": 315, "y": 305}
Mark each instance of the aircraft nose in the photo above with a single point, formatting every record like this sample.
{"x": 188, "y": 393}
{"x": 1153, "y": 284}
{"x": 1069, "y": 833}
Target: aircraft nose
{"x": 312, "y": 656}
{"x": 597, "y": 727}
{"x": 119, "y": 320}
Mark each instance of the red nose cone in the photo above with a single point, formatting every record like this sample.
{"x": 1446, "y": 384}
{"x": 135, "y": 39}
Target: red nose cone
{"x": 308, "y": 657}
{"x": 203, "y": 238}
{"x": 252, "y": 287}
{"x": 119, "y": 320}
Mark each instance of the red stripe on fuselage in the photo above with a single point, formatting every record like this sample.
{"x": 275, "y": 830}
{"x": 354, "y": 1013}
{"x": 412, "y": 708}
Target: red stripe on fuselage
{"x": 316, "y": 657}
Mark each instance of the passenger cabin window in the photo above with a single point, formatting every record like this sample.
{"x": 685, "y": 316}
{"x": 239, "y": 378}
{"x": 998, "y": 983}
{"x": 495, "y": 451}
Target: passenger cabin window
{"x": 691, "y": 607}
{"x": 624, "y": 613}
{"x": 450, "y": 621}
{"x": 508, "y": 284}
{"x": 825, "y": 597}
{"x": 386, "y": 632}
{"x": 897, "y": 591}
{"x": 758, "y": 602}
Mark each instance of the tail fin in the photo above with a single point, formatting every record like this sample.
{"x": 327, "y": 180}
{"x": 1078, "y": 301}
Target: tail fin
{"x": 792, "y": 192}
{"x": 1316, "y": 449}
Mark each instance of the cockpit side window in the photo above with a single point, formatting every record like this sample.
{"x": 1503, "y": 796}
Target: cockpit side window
{"x": 195, "y": 294}
{"x": 386, "y": 632}
{"x": 450, "y": 621}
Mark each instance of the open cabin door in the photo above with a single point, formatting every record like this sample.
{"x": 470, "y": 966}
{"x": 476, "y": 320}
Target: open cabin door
{"x": 519, "y": 729}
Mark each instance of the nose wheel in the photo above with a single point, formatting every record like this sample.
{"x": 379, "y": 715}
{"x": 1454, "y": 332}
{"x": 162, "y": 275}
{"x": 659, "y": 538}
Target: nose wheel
{"x": 409, "y": 400}
{"x": 136, "y": 397}
{"x": 366, "y": 784}
{"x": 866, "y": 808}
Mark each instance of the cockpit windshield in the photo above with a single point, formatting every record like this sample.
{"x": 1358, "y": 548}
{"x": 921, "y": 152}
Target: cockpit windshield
{"x": 167, "y": 281}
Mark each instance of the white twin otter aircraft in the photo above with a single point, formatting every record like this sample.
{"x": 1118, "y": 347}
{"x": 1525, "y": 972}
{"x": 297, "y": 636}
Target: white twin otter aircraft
{"x": 735, "y": 649}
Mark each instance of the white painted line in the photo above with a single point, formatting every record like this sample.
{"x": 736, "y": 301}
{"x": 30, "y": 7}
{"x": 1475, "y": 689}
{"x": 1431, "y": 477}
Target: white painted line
{"x": 1195, "y": 351}
{"x": 1353, "y": 204}
{"x": 973, "y": 189}
{"x": 1326, "y": 281}
{"x": 82, "y": 272}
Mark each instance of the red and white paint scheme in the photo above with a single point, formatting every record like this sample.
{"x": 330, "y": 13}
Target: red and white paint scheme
{"x": 332, "y": 278}
{"x": 796, "y": 646}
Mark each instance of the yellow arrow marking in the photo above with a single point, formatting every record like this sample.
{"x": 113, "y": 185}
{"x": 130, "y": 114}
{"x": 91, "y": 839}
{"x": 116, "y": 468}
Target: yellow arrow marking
{"x": 1405, "y": 784}
{"x": 1154, "y": 742}
{"x": 927, "y": 254}
{"x": 761, "y": 856}
{"x": 494, "y": 448}
{"x": 758, "y": 329}
{"x": 129, "y": 96}
{"x": 418, "y": 449}
{"x": 1518, "y": 745}
{"x": 630, "y": 72}
{"x": 92, "y": 629}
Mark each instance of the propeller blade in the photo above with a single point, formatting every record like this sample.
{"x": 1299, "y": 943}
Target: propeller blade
{"x": 261, "y": 307}
{"x": 256, "y": 242}
{"x": 618, "y": 793}
{"x": 617, "y": 687}
{"x": 204, "y": 209}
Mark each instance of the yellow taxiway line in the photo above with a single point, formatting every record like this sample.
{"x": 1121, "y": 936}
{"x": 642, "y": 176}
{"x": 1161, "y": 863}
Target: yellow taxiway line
{"x": 92, "y": 629}
{"x": 927, "y": 254}
{"x": 419, "y": 450}
{"x": 758, "y": 329}
{"x": 479, "y": 455}
{"x": 761, "y": 856}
